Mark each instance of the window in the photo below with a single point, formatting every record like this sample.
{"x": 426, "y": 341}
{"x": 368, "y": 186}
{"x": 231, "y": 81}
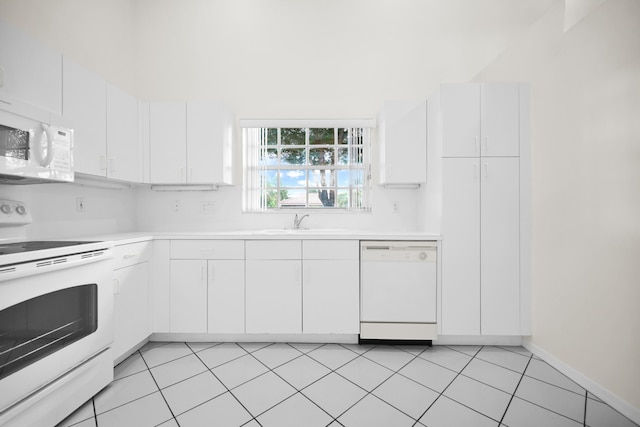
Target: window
{"x": 306, "y": 168}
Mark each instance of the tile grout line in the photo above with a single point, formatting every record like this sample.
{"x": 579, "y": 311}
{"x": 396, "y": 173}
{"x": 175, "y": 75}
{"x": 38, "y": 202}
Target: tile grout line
{"x": 445, "y": 389}
{"x": 415, "y": 356}
{"x": 514, "y": 391}
{"x": 253, "y": 418}
{"x": 586, "y": 397}
{"x": 160, "y": 390}
{"x": 291, "y": 385}
{"x": 95, "y": 415}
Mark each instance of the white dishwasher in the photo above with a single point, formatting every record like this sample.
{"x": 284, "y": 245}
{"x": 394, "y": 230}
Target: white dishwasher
{"x": 398, "y": 282}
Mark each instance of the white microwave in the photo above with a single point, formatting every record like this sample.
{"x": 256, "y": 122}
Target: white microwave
{"x": 34, "y": 152}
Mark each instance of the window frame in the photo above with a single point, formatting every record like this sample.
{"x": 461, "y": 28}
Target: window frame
{"x": 254, "y": 183}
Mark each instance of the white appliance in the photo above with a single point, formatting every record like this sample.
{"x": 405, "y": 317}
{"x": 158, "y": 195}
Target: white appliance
{"x": 56, "y": 328}
{"x": 398, "y": 285}
{"x": 34, "y": 152}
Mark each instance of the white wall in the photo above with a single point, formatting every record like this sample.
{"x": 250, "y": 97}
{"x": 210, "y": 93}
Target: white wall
{"x": 274, "y": 59}
{"x": 98, "y": 34}
{"x": 53, "y": 208}
{"x": 585, "y": 87}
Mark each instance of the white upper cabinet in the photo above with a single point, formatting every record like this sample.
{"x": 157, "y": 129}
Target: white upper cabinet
{"x": 85, "y": 111}
{"x": 500, "y": 119}
{"x": 31, "y": 73}
{"x": 122, "y": 135}
{"x": 168, "y": 140}
{"x": 209, "y": 143}
{"x": 104, "y": 119}
{"x": 191, "y": 143}
{"x": 460, "y": 115}
{"x": 480, "y": 119}
{"x": 402, "y": 142}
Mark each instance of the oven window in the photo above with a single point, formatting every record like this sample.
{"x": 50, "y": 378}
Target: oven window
{"x": 43, "y": 325}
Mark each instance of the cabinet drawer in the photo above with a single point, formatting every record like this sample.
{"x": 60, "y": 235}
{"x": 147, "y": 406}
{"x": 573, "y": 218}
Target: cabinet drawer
{"x": 274, "y": 249}
{"x": 207, "y": 249}
{"x": 131, "y": 254}
{"x": 330, "y": 249}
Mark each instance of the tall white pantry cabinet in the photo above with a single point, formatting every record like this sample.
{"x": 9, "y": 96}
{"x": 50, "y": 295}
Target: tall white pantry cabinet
{"x": 483, "y": 132}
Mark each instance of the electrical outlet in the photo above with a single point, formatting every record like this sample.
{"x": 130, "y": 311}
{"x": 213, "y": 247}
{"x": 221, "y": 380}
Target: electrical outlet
{"x": 208, "y": 207}
{"x": 396, "y": 206}
{"x": 80, "y": 205}
{"x": 176, "y": 205}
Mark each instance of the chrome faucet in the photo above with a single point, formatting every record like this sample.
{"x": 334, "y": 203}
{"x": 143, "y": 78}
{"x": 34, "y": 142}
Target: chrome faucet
{"x": 297, "y": 221}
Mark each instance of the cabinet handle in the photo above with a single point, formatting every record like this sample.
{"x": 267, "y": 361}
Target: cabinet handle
{"x": 103, "y": 163}
{"x": 486, "y": 144}
{"x": 486, "y": 170}
{"x": 476, "y": 174}
{"x": 112, "y": 165}
{"x": 116, "y": 286}
{"x": 476, "y": 144}
{"x": 128, "y": 256}
{"x": 182, "y": 175}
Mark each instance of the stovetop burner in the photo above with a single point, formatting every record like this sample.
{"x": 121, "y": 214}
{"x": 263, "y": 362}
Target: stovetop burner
{"x": 19, "y": 247}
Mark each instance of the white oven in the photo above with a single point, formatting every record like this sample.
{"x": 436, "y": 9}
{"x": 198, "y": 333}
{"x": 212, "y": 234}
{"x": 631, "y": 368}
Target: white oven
{"x": 56, "y": 328}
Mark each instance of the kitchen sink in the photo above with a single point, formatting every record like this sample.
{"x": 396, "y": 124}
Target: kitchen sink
{"x": 302, "y": 231}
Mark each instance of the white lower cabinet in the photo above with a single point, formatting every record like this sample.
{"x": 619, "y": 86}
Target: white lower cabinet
{"x": 207, "y": 286}
{"x": 273, "y": 287}
{"x": 225, "y": 296}
{"x": 132, "y": 299}
{"x": 330, "y": 290}
{"x": 481, "y": 246}
{"x": 188, "y": 296}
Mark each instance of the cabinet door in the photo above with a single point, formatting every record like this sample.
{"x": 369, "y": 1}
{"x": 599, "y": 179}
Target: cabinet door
{"x": 461, "y": 247}
{"x": 122, "y": 135}
{"x": 403, "y": 142}
{"x": 500, "y": 253}
{"x": 226, "y": 296}
{"x": 500, "y": 119}
{"x": 132, "y": 308}
{"x": 168, "y": 141}
{"x": 208, "y": 142}
{"x": 331, "y": 297}
{"x": 460, "y": 106}
{"x": 188, "y": 296}
{"x": 85, "y": 111}
{"x": 31, "y": 71}
{"x": 273, "y": 296}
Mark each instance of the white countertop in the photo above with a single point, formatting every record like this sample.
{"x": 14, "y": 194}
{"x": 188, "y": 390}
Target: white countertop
{"x": 270, "y": 234}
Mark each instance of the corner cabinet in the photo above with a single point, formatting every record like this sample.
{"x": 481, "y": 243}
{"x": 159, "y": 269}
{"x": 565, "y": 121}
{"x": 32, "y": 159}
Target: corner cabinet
{"x": 483, "y": 130}
{"x": 190, "y": 143}
{"x": 402, "y": 142}
{"x": 132, "y": 299}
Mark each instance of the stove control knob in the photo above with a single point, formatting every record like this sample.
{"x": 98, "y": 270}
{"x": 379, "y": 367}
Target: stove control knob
{"x": 5, "y": 209}
{"x": 21, "y": 210}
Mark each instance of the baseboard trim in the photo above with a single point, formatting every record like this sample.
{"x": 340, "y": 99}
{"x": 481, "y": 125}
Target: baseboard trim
{"x": 477, "y": 340}
{"x": 290, "y": 338}
{"x": 608, "y": 397}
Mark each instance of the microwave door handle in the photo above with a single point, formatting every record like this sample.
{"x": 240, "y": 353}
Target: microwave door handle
{"x": 48, "y": 133}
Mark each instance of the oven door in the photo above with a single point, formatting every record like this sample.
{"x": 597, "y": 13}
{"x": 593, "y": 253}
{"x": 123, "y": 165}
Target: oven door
{"x": 50, "y": 323}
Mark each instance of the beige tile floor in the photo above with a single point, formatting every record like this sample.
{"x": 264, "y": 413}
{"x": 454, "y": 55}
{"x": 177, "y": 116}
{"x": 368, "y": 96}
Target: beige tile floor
{"x": 261, "y": 384}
